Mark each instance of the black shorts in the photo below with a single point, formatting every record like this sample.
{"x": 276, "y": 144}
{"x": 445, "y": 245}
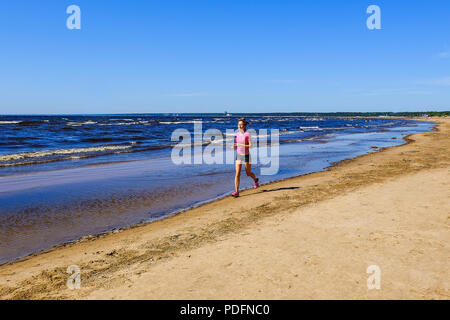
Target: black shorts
{"x": 243, "y": 158}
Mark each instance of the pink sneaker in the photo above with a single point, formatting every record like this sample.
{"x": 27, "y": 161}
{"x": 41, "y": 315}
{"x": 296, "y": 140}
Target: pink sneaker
{"x": 256, "y": 184}
{"x": 235, "y": 194}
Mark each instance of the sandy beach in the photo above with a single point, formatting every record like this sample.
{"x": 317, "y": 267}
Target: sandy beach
{"x": 309, "y": 237}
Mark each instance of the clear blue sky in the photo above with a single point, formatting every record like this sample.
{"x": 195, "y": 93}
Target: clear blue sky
{"x": 211, "y": 56}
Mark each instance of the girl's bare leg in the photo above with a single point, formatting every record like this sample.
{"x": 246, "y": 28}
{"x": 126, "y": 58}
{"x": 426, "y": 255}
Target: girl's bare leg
{"x": 238, "y": 175}
{"x": 248, "y": 171}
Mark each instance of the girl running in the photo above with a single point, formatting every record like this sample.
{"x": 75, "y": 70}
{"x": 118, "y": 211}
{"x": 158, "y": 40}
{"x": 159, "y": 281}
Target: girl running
{"x": 243, "y": 144}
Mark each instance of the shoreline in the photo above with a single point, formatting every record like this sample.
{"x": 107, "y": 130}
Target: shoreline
{"x": 119, "y": 251}
{"x": 193, "y": 206}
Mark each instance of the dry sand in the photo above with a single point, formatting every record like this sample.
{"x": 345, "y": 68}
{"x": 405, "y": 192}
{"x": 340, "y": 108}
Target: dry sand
{"x": 310, "y": 237}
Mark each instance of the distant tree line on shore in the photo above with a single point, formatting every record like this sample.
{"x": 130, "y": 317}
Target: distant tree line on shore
{"x": 358, "y": 114}
{"x": 389, "y": 114}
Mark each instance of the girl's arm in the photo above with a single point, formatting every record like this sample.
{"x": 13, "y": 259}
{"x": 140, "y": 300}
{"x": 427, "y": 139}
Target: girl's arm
{"x": 249, "y": 141}
{"x": 245, "y": 145}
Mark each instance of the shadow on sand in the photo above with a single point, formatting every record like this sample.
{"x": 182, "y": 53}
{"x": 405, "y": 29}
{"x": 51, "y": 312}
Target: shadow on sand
{"x": 271, "y": 190}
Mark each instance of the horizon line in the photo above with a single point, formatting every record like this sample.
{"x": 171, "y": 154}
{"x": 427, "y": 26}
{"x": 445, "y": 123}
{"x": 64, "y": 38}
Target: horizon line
{"x": 207, "y": 113}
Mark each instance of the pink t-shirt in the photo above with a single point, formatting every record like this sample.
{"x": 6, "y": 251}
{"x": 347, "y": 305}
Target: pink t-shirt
{"x": 243, "y": 139}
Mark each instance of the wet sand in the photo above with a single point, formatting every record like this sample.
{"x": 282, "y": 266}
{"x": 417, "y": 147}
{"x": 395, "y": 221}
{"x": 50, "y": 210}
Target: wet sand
{"x": 300, "y": 238}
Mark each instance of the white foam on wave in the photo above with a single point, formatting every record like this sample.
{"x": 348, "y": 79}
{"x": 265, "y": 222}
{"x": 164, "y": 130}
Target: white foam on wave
{"x": 77, "y": 124}
{"x": 45, "y": 153}
{"x": 9, "y": 122}
{"x": 181, "y": 122}
{"x": 310, "y": 128}
{"x": 125, "y": 123}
